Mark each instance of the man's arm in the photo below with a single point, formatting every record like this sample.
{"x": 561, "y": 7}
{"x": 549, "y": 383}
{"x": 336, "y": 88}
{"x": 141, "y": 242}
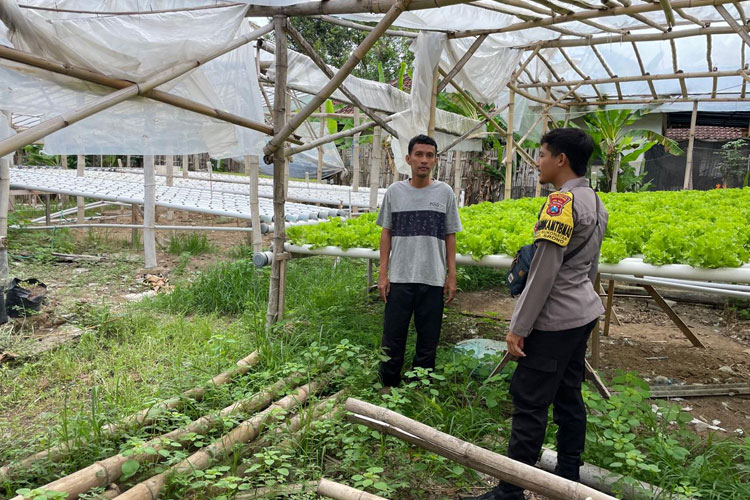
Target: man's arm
{"x": 547, "y": 261}
{"x": 384, "y": 284}
{"x": 449, "y": 290}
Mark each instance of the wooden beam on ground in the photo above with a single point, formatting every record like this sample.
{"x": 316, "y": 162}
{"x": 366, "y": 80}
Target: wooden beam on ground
{"x": 673, "y": 316}
{"x": 340, "y": 491}
{"x": 280, "y": 134}
{"x": 465, "y": 453}
{"x": 310, "y": 51}
{"x": 699, "y": 390}
{"x": 687, "y": 182}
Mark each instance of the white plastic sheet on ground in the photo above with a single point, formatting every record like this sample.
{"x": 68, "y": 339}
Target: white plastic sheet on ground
{"x": 135, "y": 47}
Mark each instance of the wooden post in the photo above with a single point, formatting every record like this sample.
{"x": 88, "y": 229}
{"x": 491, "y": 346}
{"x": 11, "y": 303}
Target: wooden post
{"x": 608, "y": 308}
{"x": 458, "y": 174}
{"x": 127, "y": 161}
{"x": 321, "y": 133}
{"x": 377, "y": 148}
{"x": 4, "y": 206}
{"x": 509, "y": 144}
{"x": 252, "y": 169}
{"x": 134, "y": 221}
{"x": 279, "y": 166}
{"x": 185, "y": 164}
{"x": 433, "y": 102}
{"x": 170, "y": 181}
{"x": 545, "y": 128}
{"x": 196, "y": 163}
{"x": 47, "y": 210}
{"x": 79, "y": 199}
{"x": 688, "y": 181}
{"x": 355, "y": 154}
{"x": 149, "y": 211}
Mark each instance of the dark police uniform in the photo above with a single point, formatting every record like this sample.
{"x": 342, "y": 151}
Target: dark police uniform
{"x": 556, "y": 313}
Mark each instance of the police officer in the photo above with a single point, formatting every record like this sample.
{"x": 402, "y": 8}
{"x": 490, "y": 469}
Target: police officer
{"x": 556, "y": 312}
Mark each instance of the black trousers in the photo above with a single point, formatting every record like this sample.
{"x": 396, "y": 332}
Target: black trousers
{"x": 551, "y": 373}
{"x": 425, "y": 303}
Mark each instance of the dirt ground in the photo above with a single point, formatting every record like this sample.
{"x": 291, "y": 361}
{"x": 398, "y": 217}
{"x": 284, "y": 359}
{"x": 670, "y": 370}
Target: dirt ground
{"x": 649, "y": 343}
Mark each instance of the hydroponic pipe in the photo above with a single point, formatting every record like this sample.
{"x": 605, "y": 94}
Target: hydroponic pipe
{"x": 264, "y": 228}
{"x": 678, "y": 286}
{"x": 709, "y": 284}
{"x": 629, "y": 266}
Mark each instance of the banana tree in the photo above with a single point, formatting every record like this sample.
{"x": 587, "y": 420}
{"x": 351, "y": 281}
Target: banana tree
{"x": 614, "y": 141}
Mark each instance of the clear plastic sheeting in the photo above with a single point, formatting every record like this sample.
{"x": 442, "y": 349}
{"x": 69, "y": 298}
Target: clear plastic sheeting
{"x": 177, "y": 198}
{"x": 134, "y": 47}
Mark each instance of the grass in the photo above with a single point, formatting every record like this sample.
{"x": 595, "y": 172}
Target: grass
{"x": 191, "y": 244}
{"x": 162, "y": 346}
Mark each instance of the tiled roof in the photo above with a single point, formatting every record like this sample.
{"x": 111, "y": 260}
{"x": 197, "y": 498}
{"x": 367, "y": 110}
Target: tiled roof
{"x": 708, "y": 133}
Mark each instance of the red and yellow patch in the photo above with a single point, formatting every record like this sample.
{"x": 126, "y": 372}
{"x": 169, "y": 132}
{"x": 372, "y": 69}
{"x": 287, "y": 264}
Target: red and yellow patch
{"x": 555, "y": 222}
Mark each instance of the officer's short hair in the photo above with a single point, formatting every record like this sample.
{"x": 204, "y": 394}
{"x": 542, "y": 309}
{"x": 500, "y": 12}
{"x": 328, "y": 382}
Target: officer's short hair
{"x": 575, "y": 143}
{"x": 422, "y": 139}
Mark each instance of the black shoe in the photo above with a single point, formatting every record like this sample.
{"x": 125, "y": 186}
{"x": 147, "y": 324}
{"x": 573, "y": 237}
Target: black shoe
{"x": 497, "y": 493}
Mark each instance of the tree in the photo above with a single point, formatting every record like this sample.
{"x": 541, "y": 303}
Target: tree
{"x": 617, "y": 146}
{"x": 734, "y": 163}
{"x": 336, "y": 43}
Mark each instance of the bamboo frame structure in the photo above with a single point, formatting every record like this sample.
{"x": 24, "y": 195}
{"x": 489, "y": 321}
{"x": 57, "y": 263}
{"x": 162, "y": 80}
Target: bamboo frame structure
{"x": 252, "y": 170}
{"x": 461, "y": 62}
{"x": 688, "y": 180}
{"x": 355, "y": 154}
{"x": 47, "y": 127}
{"x": 509, "y": 144}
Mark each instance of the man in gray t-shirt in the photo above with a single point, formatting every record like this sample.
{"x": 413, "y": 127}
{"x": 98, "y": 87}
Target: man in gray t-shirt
{"x": 417, "y": 260}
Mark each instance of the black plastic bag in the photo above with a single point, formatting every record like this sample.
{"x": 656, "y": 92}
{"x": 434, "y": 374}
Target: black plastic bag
{"x": 19, "y": 301}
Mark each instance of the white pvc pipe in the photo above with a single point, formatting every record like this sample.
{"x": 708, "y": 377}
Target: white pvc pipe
{"x": 676, "y": 286}
{"x": 630, "y": 266}
{"x": 68, "y": 211}
{"x": 264, "y": 228}
{"x": 707, "y": 284}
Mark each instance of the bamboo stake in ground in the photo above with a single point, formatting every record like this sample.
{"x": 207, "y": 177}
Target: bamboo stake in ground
{"x": 280, "y": 134}
{"x": 47, "y": 127}
{"x": 243, "y": 433}
{"x": 149, "y": 211}
{"x": 252, "y": 169}
{"x": 169, "y": 160}
{"x": 468, "y": 454}
{"x": 80, "y": 166}
{"x": 321, "y": 133}
{"x": 279, "y": 167}
{"x": 339, "y": 491}
{"x": 109, "y": 470}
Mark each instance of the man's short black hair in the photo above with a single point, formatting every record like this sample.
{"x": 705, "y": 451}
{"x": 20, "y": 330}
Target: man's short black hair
{"x": 575, "y": 143}
{"x": 422, "y": 139}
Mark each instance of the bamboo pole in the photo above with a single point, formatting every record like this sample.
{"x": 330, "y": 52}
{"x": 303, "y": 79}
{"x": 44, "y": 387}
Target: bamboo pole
{"x": 149, "y": 211}
{"x": 5, "y": 163}
{"x": 575, "y": 67}
{"x": 364, "y": 27}
{"x": 555, "y": 75}
{"x": 509, "y": 145}
{"x": 170, "y": 181}
{"x": 109, "y": 470}
{"x": 47, "y": 127}
{"x": 252, "y": 170}
{"x": 458, "y": 175}
{"x": 433, "y": 103}
{"x": 316, "y": 8}
{"x": 589, "y": 14}
{"x": 545, "y": 111}
{"x": 640, "y": 37}
{"x": 461, "y": 63}
{"x": 545, "y": 128}
{"x": 688, "y": 180}
{"x": 310, "y": 51}
{"x": 80, "y": 166}
{"x": 279, "y": 168}
{"x": 243, "y": 433}
{"x": 185, "y": 164}
{"x": 634, "y": 78}
{"x": 643, "y": 71}
{"x": 466, "y": 135}
{"x": 731, "y": 21}
{"x": 322, "y": 132}
{"x": 375, "y": 161}
{"x": 281, "y": 133}
{"x": 355, "y": 154}
{"x": 330, "y": 138}
{"x": 494, "y": 464}
{"x": 156, "y": 95}
{"x": 339, "y": 491}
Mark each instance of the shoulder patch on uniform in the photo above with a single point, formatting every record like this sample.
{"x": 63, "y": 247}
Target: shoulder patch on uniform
{"x": 556, "y": 219}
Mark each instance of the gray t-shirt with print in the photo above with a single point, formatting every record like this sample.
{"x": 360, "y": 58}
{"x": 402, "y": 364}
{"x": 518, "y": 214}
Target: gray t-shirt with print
{"x": 419, "y": 220}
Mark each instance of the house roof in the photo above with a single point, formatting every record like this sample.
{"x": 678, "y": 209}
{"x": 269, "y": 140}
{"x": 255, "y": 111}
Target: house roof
{"x": 708, "y": 133}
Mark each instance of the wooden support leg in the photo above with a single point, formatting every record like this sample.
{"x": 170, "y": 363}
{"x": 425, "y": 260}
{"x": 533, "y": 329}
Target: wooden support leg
{"x": 503, "y": 362}
{"x": 593, "y": 377}
{"x": 610, "y": 305}
{"x": 134, "y": 220}
{"x": 370, "y": 286}
{"x": 673, "y": 316}
{"x": 47, "y": 210}
{"x": 595, "y": 347}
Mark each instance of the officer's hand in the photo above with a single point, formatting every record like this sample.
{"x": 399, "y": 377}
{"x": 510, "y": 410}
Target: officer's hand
{"x": 449, "y": 290}
{"x": 384, "y": 287}
{"x": 515, "y": 345}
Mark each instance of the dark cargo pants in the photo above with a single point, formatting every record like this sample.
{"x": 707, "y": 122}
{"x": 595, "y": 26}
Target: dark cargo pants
{"x": 425, "y": 302}
{"x": 551, "y": 373}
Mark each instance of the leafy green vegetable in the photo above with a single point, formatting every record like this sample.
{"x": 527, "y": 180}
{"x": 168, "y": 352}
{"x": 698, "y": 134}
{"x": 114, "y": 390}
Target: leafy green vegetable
{"x": 700, "y": 228}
